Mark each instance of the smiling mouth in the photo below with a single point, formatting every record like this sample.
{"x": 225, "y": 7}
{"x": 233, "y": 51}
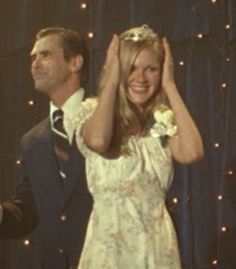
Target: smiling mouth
{"x": 138, "y": 88}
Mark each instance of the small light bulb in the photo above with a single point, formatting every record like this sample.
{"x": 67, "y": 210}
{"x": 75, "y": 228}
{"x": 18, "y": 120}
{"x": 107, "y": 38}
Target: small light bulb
{"x": 175, "y": 200}
{"x": 31, "y": 102}
{"x": 214, "y": 262}
{"x": 181, "y": 63}
{"x": 223, "y": 85}
{"x": 83, "y": 5}
{"x": 227, "y": 26}
{"x": 220, "y": 197}
{"x": 217, "y": 145}
{"x": 200, "y": 36}
{"x": 18, "y": 162}
{"x": 223, "y": 229}
{"x": 26, "y": 242}
{"x": 90, "y": 35}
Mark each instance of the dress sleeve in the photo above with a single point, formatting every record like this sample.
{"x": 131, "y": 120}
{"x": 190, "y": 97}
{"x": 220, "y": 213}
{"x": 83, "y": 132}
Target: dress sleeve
{"x": 85, "y": 111}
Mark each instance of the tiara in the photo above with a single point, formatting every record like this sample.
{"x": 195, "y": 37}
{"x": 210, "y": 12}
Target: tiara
{"x": 139, "y": 33}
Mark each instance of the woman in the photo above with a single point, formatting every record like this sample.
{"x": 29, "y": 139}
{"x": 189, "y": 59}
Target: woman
{"x": 129, "y": 135}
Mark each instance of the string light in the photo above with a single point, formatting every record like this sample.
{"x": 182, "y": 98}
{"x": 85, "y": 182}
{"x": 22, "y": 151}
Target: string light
{"x": 18, "y": 162}
{"x": 90, "y": 35}
{"x": 200, "y": 36}
{"x": 31, "y": 102}
{"x": 175, "y": 200}
{"x": 26, "y": 242}
{"x": 223, "y": 229}
{"x": 83, "y": 5}
{"x": 224, "y": 85}
{"x": 216, "y": 144}
{"x": 214, "y": 262}
{"x": 230, "y": 172}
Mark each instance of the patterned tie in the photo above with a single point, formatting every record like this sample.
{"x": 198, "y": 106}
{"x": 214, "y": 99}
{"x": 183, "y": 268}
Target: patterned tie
{"x": 61, "y": 143}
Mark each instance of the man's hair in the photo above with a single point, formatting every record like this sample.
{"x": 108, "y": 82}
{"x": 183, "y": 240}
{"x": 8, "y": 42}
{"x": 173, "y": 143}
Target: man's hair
{"x": 72, "y": 44}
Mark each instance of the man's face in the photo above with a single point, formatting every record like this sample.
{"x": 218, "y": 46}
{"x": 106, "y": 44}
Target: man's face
{"x": 49, "y": 69}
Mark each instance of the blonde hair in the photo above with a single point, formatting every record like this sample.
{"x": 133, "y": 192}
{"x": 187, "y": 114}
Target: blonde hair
{"x": 128, "y": 120}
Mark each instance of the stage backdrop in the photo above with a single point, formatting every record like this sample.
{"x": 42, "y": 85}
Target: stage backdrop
{"x": 202, "y": 34}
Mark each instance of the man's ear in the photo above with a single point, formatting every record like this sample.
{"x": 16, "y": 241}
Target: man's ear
{"x": 77, "y": 63}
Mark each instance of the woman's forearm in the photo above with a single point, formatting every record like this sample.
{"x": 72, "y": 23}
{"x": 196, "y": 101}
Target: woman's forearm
{"x": 187, "y": 146}
{"x": 98, "y": 130}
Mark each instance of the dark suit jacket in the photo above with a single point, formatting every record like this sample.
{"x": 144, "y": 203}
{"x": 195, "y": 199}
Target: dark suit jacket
{"x": 63, "y": 206}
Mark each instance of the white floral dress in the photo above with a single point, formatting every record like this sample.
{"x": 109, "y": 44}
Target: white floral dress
{"x": 130, "y": 227}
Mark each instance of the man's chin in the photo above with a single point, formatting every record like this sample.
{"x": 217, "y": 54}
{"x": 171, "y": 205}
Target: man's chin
{"x": 39, "y": 88}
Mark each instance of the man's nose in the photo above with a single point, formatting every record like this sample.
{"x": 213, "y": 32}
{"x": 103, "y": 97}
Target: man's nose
{"x": 35, "y": 62}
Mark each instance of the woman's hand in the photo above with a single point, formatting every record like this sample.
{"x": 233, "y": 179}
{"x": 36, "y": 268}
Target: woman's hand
{"x": 168, "y": 79}
{"x": 186, "y": 146}
{"x": 98, "y": 129}
{"x": 111, "y": 68}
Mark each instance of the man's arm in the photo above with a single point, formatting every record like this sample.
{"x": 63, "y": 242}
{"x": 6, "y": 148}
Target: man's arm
{"x": 20, "y": 213}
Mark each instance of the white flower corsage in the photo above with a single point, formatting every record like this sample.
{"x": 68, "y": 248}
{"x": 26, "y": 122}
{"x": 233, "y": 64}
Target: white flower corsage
{"x": 163, "y": 123}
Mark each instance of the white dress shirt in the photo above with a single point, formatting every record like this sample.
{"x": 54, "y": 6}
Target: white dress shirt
{"x": 69, "y": 109}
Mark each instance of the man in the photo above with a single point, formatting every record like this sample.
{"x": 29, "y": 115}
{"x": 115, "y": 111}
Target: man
{"x": 53, "y": 169}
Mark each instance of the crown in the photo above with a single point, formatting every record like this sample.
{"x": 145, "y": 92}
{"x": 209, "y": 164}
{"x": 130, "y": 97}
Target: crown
{"x": 139, "y": 34}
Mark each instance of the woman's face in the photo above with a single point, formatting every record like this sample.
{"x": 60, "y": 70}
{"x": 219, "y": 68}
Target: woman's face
{"x": 144, "y": 78}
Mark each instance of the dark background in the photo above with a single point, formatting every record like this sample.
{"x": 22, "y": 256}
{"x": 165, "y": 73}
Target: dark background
{"x": 203, "y": 197}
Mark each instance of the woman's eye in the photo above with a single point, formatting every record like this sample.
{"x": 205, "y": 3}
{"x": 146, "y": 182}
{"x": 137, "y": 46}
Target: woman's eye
{"x": 155, "y": 68}
{"x": 152, "y": 68}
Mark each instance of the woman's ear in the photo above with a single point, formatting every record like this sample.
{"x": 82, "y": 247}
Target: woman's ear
{"x": 77, "y": 63}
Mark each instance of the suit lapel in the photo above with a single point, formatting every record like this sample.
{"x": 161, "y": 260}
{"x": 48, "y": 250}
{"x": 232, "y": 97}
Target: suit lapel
{"x": 49, "y": 176}
{"x": 76, "y": 171}
{"x": 62, "y": 188}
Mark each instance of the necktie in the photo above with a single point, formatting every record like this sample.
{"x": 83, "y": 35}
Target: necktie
{"x": 61, "y": 143}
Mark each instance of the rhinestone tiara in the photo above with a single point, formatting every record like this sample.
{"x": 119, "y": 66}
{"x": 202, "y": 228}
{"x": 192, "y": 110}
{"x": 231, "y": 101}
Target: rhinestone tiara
{"x": 139, "y": 33}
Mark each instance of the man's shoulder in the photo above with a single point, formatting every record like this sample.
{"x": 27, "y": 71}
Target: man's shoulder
{"x": 37, "y": 130}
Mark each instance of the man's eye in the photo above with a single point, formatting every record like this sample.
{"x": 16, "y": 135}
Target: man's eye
{"x": 45, "y": 54}
{"x": 132, "y": 68}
